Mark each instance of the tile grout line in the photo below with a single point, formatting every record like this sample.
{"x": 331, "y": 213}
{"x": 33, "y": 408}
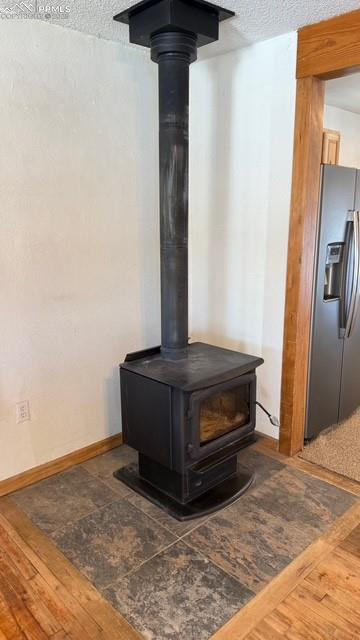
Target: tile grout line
{"x": 125, "y": 497}
{"x": 129, "y": 493}
{"x": 76, "y": 520}
{"x": 129, "y": 573}
{"x": 153, "y": 519}
{"x": 211, "y": 561}
{"x": 301, "y": 574}
{"x": 178, "y": 539}
{"x": 181, "y": 539}
{"x": 117, "y": 498}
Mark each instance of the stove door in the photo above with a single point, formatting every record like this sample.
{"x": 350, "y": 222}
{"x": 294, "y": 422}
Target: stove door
{"x": 222, "y": 414}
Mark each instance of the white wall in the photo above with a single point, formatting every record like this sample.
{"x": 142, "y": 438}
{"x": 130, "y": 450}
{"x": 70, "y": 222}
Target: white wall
{"x": 348, "y": 123}
{"x": 79, "y": 234}
{"x": 79, "y": 252}
{"x": 242, "y": 121}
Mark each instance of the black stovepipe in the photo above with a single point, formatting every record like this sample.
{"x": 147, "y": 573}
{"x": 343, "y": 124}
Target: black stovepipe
{"x": 174, "y": 51}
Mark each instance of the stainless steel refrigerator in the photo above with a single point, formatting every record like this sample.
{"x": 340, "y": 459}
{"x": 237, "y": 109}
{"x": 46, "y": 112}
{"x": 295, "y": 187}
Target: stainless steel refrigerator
{"x": 334, "y": 379}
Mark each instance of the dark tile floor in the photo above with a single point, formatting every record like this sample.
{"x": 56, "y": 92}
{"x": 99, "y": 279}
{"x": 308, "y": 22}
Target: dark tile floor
{"x": 178, "y": 594}
{"x": 176, "y": 580}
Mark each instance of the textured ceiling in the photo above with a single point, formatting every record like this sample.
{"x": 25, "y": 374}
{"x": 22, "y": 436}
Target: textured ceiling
{"x": 344, "y": 93}
{"x": 254, "y": 20}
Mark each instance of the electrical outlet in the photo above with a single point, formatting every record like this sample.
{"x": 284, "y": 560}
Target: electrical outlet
{"x": 22, "y": 411}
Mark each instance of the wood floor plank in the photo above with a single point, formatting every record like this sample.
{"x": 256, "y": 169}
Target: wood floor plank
{"x": 93, "y": 613}
{"x": 88, "y": 626}
{"x": 319, "y": 619}
{"x": 36, "y": 606}
{"x": 267, "y": 600}
{"x": 311, "y": 625}
{"x": 298, "y": 627}
{"x": 351, "y": 544}
{"x": 347, "y": 560}
{"x": 342, "y": 610}
{"x": 40, "y": 604}
{"x": 324, "y": 605}
{"x": 312, "y": 608}
{"x": 340, "y": 570}
{"x": 47, "y": 607}
{"x": 268, "y": 632}
{"x": 276, "y": 620}
{"x": 7, "y": 545}
{"x": 57, "y": 608}
{"x": 8, "y": 623}
{"x": 24, "y": 619}
{"x": 334, "y": 589}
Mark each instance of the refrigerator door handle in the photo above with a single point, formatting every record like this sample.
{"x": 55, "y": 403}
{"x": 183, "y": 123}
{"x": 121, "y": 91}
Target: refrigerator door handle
{"x": 345, "y": 276}
{"x": 355, "y": 290}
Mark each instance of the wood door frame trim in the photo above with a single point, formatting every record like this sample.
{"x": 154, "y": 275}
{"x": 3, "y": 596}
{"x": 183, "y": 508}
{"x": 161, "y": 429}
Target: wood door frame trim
{"x": 326, "y": 50}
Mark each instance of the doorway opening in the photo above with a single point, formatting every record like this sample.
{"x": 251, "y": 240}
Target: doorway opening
{"x": 332, "y": 425}
{"x": 327, "y": 51}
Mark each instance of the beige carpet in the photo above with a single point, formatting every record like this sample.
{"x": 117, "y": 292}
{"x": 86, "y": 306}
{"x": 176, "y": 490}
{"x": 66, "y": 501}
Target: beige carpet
{"x": 338, "y": 448}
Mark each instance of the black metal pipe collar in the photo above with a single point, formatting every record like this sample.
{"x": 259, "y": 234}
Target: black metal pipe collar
{"x": 176, "y": 43}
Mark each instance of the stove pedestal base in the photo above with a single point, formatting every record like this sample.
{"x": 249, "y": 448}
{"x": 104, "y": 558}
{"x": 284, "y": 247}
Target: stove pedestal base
{"x": 216, "y": 498}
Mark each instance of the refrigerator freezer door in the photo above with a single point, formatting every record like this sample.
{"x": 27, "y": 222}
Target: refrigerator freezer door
{"x": 350, "y": 382}
{"x": 326, "y": 358}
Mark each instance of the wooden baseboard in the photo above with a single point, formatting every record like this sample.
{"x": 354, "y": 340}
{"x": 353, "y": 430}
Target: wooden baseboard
{"x": 267, "y": 441}
{"x": 60, "y": 464}
{"x": 48, "y": 469}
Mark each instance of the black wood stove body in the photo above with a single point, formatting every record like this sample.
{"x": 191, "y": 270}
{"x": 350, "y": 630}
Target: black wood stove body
{"x": 186, "y": 408}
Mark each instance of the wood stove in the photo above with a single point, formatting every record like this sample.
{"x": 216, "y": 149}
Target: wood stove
{"x": 186, "y": 408}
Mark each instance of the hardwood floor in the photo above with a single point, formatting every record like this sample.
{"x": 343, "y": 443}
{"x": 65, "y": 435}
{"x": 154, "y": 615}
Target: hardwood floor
{"x": 326, "y": 604}
{"x": 256, "y": 619}
{"x": 317, "y": 596}
{"x": 42, "y": 595}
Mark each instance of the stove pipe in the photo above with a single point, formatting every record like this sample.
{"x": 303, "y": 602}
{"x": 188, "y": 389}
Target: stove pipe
{"x": 173, "y": 29}
{"x": 174, "y": 52}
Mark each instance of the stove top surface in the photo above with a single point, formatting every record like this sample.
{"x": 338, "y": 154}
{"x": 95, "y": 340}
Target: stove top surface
{"x": 204, "y": 365}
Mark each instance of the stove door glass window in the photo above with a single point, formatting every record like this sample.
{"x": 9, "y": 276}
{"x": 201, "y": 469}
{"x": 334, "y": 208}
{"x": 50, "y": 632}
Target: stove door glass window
{"x": 224, "y": 412}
